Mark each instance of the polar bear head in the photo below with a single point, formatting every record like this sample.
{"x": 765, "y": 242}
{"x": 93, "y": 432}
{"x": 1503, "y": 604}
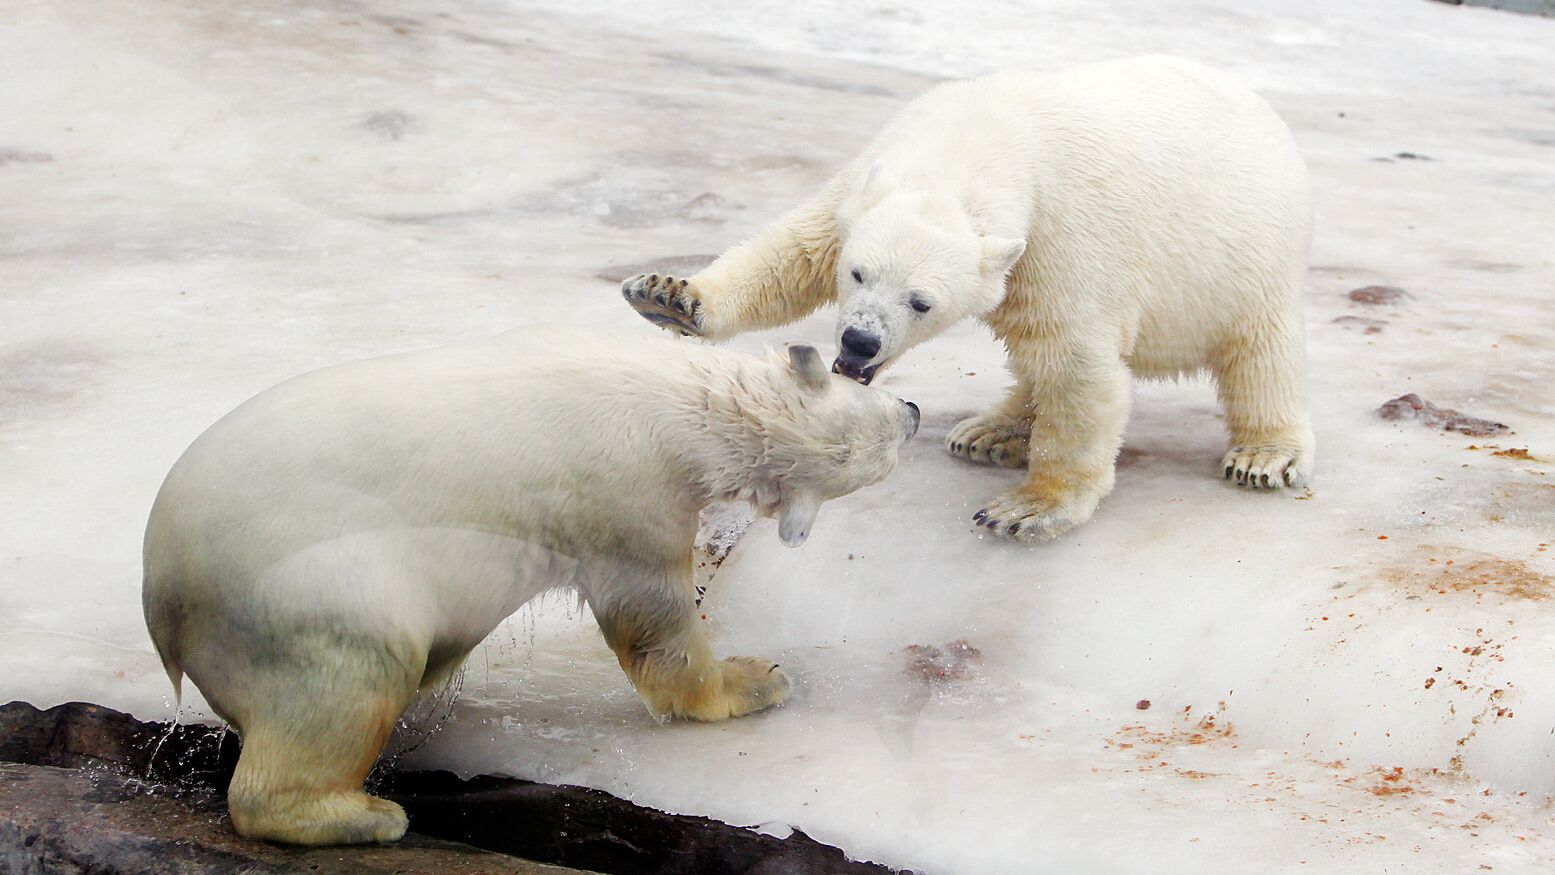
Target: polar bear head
{"x": 807, "y": 436}
{"x": 910, "y": 267}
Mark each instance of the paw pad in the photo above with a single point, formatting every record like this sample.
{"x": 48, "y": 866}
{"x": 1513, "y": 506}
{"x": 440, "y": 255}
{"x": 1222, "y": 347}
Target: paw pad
{"x": 665, "y": 301}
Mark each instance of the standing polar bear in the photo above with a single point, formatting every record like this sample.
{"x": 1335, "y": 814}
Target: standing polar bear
{"x": 347, "y": 537}
{"x": 1146, "y": 216}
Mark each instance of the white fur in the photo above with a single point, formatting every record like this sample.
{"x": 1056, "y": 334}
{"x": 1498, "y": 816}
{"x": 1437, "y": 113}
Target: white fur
{"x": 1147, "y": 217}
{"x": 347, "y": 537}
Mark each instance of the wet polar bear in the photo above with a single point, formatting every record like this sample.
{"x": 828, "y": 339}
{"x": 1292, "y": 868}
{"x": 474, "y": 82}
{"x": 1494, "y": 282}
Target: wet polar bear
{"x": 1143, "y": 217}
{"x": 346, "y": 538}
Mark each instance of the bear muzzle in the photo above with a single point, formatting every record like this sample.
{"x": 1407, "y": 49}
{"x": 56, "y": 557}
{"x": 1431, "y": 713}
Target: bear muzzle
{"x": 859, "y": 371}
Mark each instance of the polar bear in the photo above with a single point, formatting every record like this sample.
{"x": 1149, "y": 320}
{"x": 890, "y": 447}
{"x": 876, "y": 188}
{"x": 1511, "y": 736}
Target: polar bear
{"x": 1144, "y": 217}
{"x": 346, "y": 538}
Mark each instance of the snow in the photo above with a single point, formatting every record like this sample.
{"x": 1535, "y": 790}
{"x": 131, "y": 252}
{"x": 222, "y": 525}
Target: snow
{"x": 198, "y": 201}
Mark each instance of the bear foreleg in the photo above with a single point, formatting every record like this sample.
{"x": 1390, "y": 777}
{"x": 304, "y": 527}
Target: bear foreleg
{"x": 1080, "y": 405}
{"x": 781, "y": 275}
{"x": 1001, "y": 436}
{"x": 655, "y": 631}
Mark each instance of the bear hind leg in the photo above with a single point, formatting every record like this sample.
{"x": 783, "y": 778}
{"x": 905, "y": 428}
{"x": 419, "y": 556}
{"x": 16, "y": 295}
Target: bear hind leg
{"x": 304, "y": 758}
{"x": 1260, "y": 376}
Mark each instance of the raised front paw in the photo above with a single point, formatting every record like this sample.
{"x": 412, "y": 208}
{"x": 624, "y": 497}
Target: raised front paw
{"x": 1269, "y": 465}
{"x": 670, "y": 303}
{"x": 991, "y": 439}
{"x": 1021, "y": 516}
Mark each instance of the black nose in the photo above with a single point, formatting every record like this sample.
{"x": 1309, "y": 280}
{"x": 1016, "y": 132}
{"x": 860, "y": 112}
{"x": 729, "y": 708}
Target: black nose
{"x": 860, "y": 344}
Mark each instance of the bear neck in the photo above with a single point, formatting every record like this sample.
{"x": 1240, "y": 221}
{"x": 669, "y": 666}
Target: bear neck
{"x": 735, "y": 451}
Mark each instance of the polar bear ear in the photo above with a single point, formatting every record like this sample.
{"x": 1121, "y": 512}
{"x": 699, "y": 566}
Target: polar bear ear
{"x": 878, "y": 182}
{"x": 798, "y": 518}
{"x": 808, "y": 367}
{"x": 1000, "y": 254}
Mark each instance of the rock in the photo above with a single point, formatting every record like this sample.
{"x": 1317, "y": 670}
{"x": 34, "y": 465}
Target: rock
{"x": 88, "y": 789}
{"x": 594, "y": 830}
{"x": 56, "y": 820}
{"x": 1378, "y": 295}
{"x": 1412, "y": 406}
{"x": 78, "y": 734}
{"x": 949, "y": 662}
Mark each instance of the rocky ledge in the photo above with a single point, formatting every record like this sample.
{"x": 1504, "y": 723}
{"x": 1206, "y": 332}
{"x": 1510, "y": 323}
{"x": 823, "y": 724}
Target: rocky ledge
{"x": 88, "y": 789}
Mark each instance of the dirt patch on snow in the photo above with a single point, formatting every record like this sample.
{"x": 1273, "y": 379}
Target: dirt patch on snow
{"x": 1412, "y": 406}
{"x": 1439, "y": 571}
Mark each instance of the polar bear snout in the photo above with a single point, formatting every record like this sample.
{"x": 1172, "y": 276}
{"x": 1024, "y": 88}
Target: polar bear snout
{"x": 859, "y": 348}
{"x": 859, "y": 344}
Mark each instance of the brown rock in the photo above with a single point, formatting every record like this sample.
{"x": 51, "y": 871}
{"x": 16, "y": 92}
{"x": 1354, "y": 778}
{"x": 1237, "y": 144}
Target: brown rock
{"x": 1412, "y": 406}
{"x": 72, "y": 821}
{"x": 1378, "y": 295}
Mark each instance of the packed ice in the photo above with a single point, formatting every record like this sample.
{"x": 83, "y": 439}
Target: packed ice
{"x": 198, "y": 201}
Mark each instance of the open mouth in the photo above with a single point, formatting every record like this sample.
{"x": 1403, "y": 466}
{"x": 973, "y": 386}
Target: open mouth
{"x": 853, "y": 371}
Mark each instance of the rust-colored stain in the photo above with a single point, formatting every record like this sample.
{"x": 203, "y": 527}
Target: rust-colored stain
{"x": 1392, "y": 784}
{"x": 1151, "y": 742}
{"x": 1519, "y": 453}
{"x": 1442, "y": 571}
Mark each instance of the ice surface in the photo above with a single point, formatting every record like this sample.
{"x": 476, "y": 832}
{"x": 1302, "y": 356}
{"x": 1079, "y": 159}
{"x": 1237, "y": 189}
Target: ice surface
{"x": 198, "y": 200}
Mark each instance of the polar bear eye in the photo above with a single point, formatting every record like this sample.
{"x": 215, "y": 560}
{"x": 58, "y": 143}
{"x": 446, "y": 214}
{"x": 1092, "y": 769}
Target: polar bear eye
{"x": 857, "y": 277}
{"x": 920, "y": 304}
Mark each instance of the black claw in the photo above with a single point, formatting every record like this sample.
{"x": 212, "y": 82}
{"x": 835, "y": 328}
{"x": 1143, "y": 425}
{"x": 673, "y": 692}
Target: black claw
{"x": 991, "y": 523}
{"x": 1014, "y": 527}
{"x": 978, "y": 517}
{"x": 956, "y": 447}
{"x": 1265, "y": 479}
{"x": 1229, "y": 469}
{"x": 773, "y": 668}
